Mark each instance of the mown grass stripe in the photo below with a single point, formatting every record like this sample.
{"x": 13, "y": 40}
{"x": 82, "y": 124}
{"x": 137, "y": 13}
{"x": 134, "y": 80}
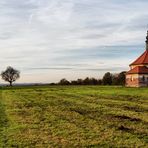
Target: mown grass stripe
{"x": 76, "y": 117}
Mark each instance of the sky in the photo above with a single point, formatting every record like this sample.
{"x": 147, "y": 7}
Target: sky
{"x": 48, "y": 40}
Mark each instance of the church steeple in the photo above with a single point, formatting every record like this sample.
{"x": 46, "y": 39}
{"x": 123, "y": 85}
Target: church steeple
{"x": 147, "y": 41}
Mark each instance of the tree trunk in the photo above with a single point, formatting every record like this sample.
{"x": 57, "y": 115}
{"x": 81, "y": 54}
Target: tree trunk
{"x": 10, "y": 83}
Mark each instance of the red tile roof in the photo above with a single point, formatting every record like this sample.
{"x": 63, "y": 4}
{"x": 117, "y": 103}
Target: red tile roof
{"x": 143, "y": 59}
{"x": 138, "y": 70}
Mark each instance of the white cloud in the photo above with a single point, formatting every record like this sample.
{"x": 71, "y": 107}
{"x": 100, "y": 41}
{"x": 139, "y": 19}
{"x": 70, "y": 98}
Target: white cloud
{"x": 43, "y": 33}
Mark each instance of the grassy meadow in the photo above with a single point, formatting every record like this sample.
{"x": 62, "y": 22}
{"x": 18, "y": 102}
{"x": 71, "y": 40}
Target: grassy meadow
{"x": 73, "y": 116}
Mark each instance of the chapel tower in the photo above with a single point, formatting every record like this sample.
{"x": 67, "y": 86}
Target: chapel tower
{"x": 137, "y": 76}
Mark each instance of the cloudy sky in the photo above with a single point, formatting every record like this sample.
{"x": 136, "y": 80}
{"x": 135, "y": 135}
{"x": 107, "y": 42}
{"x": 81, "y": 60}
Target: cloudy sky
{"x": 52, "y": 39}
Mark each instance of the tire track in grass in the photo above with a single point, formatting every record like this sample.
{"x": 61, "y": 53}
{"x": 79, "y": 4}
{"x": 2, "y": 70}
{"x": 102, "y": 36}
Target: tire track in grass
{"x": 3, "y": 122}
{"x": 129, "y": 118}
{"x": 113, "y": 104}
{"x": 74, "y": 99}
{"x": 104, "y": 105}
{"x": 90, "y": 108}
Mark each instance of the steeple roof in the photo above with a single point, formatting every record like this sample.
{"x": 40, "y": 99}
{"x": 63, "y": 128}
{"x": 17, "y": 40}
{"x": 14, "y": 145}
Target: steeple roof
{"x": 143, "y": 59}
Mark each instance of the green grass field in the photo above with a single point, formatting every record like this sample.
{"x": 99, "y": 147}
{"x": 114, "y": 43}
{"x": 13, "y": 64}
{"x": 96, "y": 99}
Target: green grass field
{"x": 73, "y": 116}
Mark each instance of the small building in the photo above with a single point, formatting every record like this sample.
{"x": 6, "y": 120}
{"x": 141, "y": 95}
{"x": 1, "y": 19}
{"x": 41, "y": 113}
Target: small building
{"x": 137, "y": 76}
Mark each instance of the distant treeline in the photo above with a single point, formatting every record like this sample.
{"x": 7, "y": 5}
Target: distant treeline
{"x": 108, "y": 79}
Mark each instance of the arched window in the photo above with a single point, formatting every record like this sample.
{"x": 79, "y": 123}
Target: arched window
{"x": 132, "y": 78}
{"x": 143, "y": 78}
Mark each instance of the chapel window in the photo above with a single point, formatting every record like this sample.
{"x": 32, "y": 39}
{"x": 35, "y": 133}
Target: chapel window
{"x": 143, "y": 78}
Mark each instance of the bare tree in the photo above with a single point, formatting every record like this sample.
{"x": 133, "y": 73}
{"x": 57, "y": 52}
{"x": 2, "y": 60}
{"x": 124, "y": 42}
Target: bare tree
{"x": 10, "y": 75}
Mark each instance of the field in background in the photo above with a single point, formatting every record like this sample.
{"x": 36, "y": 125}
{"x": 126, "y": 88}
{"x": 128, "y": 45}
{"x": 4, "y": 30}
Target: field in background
{"x": 74, "y": 116}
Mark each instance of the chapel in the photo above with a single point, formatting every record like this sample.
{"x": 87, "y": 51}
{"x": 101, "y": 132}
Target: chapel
{"x": 137, "y": 76}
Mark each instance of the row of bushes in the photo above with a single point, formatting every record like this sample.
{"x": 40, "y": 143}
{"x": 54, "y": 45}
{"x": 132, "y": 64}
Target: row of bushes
{"x": 108, "y": 79}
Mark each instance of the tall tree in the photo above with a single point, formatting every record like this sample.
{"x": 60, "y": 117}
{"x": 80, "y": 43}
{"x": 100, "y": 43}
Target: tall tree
{"x": 10, "y": 75}
{"x": 115, "y": 79}
{"x": 121, "y": 78}
{"x": 107, "y": 78}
